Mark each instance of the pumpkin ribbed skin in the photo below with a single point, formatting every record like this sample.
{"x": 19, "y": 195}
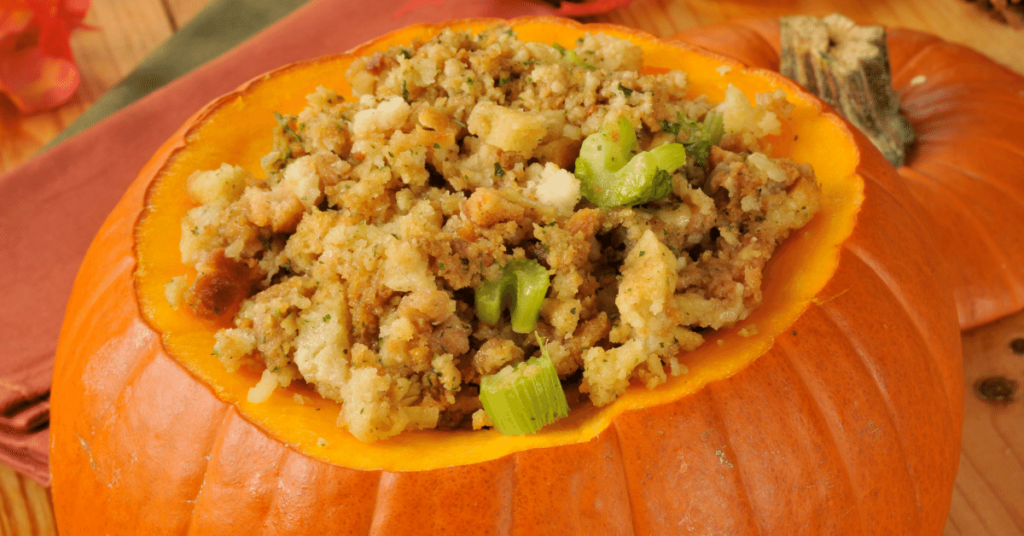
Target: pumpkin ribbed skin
{"x": 849, "y": 423}
{"x": 968, "y": 114}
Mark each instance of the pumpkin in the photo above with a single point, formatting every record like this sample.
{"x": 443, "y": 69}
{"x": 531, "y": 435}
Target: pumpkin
{"x": 834, "y": 408}
{"x": 968, "y": 113}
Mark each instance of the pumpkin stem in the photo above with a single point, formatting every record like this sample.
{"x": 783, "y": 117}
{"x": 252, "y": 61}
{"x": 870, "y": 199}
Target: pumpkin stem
{"x": 848, "y": 67}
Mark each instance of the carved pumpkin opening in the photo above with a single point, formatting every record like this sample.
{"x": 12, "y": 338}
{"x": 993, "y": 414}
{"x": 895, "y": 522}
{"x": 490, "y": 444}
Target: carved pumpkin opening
{"x": 233, "y": 130}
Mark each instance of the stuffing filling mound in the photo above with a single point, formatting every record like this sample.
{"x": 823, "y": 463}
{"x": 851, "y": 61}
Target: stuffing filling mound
{"x": 481, "y": 201}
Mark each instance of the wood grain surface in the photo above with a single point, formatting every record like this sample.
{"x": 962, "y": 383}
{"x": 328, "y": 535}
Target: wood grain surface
{"x": 989, "y": 495}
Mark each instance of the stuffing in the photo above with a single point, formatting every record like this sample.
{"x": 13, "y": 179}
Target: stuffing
{"x": 227, "y": 183}
{"x": 554, "y": 187}
{"x": 741, "y": 117}
{"x": 506, "y": 128}
{"x": 354, "y": 263}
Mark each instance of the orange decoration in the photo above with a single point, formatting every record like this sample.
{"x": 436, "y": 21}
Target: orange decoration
{"x": 968, "y": 113}
{"x": 839, "y": 414}
{"x": 37, "y": 67}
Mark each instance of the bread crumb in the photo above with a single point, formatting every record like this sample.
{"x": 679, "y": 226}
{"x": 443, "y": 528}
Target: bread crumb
{"x": 175, "y": 291}
{"x": 676, "y": 368}
{"x": 263, "y": 389}
{"x": 481, "y": 419}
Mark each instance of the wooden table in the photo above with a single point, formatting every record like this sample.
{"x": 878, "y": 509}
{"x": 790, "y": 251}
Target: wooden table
{"x": 989, "y": 496}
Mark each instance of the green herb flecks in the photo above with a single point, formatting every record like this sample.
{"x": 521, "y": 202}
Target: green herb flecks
{"x": 287, "y": 128}
{"x": 573, "y": 57}
{"x": 700, "y": 137}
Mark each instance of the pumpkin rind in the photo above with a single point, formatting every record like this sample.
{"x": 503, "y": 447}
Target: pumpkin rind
{"x": 849, "y": 423}
{"x": 968, "y": 114}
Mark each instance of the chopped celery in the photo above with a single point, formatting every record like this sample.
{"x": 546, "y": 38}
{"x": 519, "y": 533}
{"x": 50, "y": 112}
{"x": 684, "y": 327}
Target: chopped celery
{"x": 524, "y": 398}
{"x": 573, "y": 57}
{"x": 699, "y": 136}
{"x": 608, "y": 180}
{"x": 526, "y": 282}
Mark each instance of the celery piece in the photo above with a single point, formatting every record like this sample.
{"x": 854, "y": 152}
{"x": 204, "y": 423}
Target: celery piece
{"x": 702, "y": 137}
{"x": 608, "y": 180}
{"x": 526, "y": 283}
{"x": 524, "y": 398}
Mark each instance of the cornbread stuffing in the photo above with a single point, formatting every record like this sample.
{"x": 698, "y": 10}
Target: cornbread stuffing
{"x": 353, "y": 261}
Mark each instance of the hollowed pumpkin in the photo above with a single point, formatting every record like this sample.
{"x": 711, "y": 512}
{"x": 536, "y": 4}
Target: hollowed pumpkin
{"x": 968, "y": 113}
{"x": 840, "y": 415}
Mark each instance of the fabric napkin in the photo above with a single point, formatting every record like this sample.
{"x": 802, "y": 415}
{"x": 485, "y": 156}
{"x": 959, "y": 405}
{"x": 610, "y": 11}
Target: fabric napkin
{"x": 25, "y": 377}
{"x": 51, "y": 206}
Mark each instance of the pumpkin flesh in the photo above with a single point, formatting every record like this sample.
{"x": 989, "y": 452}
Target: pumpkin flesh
{"x": 145, "y": 416}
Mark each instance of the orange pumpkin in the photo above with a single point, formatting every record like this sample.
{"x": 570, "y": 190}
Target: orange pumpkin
{"x": 968, "y": 113}
{"x": 840, "y": 415}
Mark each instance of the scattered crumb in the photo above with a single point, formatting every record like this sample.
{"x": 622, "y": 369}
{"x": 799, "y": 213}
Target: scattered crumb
{"x": 262, "y": 390}
{"x": 722, "y": 459}
{"x": 677, "y": 368}
{"x": 175, "y": 291}
{"x": 481, "y": 420}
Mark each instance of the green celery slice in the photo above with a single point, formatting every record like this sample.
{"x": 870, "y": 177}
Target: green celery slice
{"x": 524, "y": 398}
{"x": 610, "y": 178}
{"x": 524, "y": 282}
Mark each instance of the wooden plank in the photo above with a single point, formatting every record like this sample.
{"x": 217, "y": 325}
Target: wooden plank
{"x": 126, "y": 30}
{"x": 991, "y": 476}
{"x": 25, "y": 507}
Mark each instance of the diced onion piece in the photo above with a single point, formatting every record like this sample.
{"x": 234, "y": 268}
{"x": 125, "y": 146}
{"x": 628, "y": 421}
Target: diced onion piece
{"x": 523, "y": 399}
{"x": 526, "y": 282}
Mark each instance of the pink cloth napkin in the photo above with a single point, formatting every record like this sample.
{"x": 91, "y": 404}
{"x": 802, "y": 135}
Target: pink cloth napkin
{"x": 51, "y": 206}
